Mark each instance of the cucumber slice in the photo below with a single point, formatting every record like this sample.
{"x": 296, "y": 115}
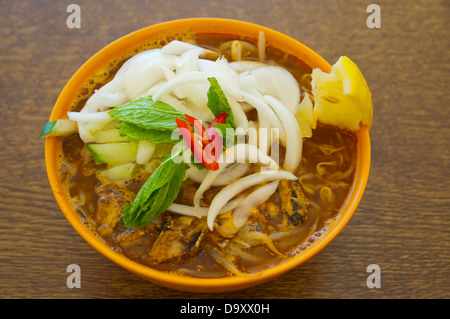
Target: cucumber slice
{"x": 62, "y": 127}
{"x": 110, "y": 136}
{"x": 118, "y": 173}
{"x": 129, "y": 170}
{"x": 162, "y": 149}
{"x": 114, "y": 154}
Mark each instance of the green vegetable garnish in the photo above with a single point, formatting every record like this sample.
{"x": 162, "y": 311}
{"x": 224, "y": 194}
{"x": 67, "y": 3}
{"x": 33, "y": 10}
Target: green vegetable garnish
{"x": 157, "y": 194}
{"x": 145, "y": 119}
{"x": 60, "y": 127}
{"x": 147, "y": 134}
{"x": 218, "y": 103}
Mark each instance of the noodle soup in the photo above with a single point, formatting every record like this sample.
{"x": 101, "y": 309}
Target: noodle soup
{"x": 213, "y": 227}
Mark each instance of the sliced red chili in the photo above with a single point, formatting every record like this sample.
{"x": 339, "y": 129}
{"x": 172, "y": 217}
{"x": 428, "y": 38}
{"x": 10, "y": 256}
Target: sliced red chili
{"x": 195, "y": 143}
{"x": 198, "y": 127}
{"x": 221, "y": 118}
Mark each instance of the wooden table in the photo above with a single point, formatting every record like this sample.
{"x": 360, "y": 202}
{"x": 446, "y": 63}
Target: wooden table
{"x": 402, "y": 223}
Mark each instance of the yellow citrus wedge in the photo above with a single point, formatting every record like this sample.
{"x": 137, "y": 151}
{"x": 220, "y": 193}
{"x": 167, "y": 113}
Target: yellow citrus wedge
{"x": 305, "y": 116}
{"x": 342, "y": 97}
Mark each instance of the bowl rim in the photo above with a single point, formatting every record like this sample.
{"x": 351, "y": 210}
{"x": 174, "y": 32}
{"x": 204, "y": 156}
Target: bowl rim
{"x": 174, "y": 281}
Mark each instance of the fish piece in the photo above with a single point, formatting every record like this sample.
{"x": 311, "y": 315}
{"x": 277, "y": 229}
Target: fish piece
{"x": 293, "y": 202}
{"x": 179, "y": 240}
{"x": 110, "y": 203}
{"x": 224, "y": 225}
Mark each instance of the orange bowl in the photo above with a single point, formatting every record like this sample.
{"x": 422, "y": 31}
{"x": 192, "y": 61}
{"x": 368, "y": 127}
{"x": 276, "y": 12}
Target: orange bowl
{"x": 140, "y": 38}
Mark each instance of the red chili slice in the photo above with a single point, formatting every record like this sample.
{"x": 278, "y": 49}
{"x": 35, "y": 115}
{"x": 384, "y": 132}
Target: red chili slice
{"x": 198, "y": 127}
{"x": 195, "y": 143}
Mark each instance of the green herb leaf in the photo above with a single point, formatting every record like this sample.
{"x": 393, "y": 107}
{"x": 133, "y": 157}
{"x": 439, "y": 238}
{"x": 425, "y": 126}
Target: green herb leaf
{"x": 147, "y": 134}
{"x": 147, "y": 113}
{"x": 157, "y": 194}
{"x": 218, "y": 103}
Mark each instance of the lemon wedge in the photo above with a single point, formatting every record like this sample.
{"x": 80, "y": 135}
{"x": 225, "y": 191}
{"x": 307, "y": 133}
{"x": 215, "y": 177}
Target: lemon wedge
{"x": 306, "y": 117}
{"x": 342, "y": 97}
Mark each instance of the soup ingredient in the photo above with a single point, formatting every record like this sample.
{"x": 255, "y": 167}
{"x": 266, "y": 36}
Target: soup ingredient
{"x": 293, "y": 201}
{"x": 114, "y": 153}
{"x": 292, "y": 130}
{"x": 137, "y": 132}
{"x": 179, "y": 241}
{"x": 205, "y": 144}
{"x": 112, "y": 135}
{"x": 257, "y": 197}
{"x": 194, "y": 140}
{"x": 306, "y": 117}
{"x": 62, "y": 127}
{"x": 342, "y": 97}
{"x": 279, "y": 83}
{"x": 218, "y": 103}
{"x": 147, "y": 117}
{"x": 157, "y": 194}
{"x": 239, "y": 153}
{"x": 231, "y": 190}
{"x": 117, "y": 173}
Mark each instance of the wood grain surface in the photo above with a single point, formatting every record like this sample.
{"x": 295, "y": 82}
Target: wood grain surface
{"x": 402, "y": 223}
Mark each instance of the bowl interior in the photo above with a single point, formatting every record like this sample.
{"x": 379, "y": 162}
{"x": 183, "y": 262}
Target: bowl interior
{"x": 156, "y": 33}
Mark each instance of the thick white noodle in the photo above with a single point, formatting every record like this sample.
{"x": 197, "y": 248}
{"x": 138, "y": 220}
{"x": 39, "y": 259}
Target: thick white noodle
{"x": 239, "y": 153}
{"x": 228, "y": 175}
{"x": 252, "y": 134}
{"x": 186, "y": 63}
{"x": 231, "y": 190}
{"x": 89, "y": 117}
{"x": 179, "y": 81}
{"x": 266, "y": 114}
{"x": 145, "y": 151}
{"x": 134, "y": 72}
{"x": 142, "y": 75}
{"x": 293, "y": 133}
{"x": 257, "y": 197}
{"x": 280, "y": 83}
{"x": 111, "y": 99}
{"x": 177, "y": 47}
{"x": 240, "y": 118}
{"x": 202, "y": 211}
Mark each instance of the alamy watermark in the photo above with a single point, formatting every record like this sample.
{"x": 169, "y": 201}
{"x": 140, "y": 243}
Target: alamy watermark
{"x": 254, "y": 145}
{"x": 74, "y": 18}
{"x": 374, "y": 279}
{"x": 374, "y": 19}
{"x": 74, "y": 279}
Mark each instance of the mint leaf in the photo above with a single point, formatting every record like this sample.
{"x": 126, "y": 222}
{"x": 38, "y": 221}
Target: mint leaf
{"x": 157, "y": 193}
{"x": 218, "y": 103}
{"x": 147, "y": 134}
{"x": 147, "y": 113}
